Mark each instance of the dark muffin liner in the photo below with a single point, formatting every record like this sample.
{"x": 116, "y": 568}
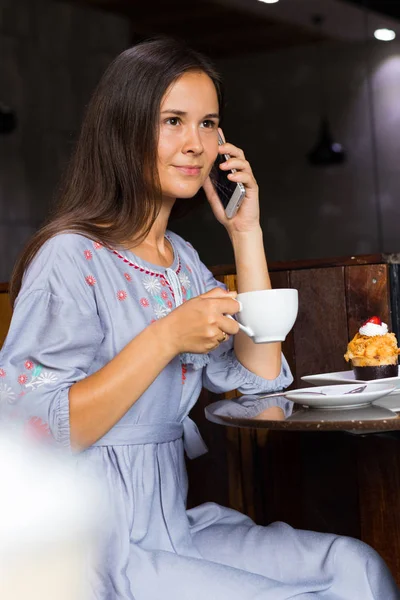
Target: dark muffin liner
{"x": 379, "y": 372}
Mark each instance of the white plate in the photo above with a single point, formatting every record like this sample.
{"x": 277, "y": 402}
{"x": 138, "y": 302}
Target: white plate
{"x": 391, "y": 402}
{"x": 346, "y": 377}
{"x": 337, "y": 396}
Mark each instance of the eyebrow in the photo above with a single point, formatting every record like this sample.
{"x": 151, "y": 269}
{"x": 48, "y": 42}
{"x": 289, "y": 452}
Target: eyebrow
{"x": 181, "y": 113}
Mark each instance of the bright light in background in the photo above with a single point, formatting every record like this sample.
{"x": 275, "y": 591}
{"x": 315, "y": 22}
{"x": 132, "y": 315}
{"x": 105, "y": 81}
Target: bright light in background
{"x": 269, "y": 1}
{"x": 385, "y": 35}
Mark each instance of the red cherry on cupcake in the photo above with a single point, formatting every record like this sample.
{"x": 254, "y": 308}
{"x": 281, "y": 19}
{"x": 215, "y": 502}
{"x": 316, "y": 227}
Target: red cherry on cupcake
{"x": 374, "y": 320}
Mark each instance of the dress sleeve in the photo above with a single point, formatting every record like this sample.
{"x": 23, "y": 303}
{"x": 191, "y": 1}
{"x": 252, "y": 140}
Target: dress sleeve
{"x": 51, "y": 344}
{"x": 49, "y": 347}
{"x": 225, "y": 373}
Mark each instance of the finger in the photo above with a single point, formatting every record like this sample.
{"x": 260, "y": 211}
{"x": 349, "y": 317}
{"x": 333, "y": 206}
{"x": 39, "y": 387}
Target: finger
{"x": 232, "y": 150}
{"x": 242, "y": 177}
{"x": 224, "y": 337}
{"x": 227, "y": 305}
{"x": 236, "y": 163}
{"x": 230, "y": 326}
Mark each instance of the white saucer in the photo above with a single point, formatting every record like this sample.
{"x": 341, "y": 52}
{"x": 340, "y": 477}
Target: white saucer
{"x": 346, "y": 377}
{"x": 337, "y": 396}
{"x": 391, "y": 401}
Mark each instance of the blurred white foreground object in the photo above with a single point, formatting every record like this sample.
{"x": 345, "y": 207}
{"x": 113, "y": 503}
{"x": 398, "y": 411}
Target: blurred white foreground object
{"x": 48, "y": 519}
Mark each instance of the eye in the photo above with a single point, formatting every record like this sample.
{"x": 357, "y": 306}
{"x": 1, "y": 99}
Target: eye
{"x": 173, "y": 121}
{"x": 208, "y": 124}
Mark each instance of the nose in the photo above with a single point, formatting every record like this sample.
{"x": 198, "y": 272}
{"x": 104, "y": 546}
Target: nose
{"x": 193, "y": 143}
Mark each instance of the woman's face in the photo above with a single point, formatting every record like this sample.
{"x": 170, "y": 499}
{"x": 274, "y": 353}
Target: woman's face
{"x": 188, "y": 138}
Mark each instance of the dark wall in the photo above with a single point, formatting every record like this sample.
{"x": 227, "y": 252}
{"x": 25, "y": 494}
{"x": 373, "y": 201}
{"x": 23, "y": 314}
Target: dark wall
{"x": 273, "y": 114}
{"x": 51, "y": 57}
{"x": 53, "y": 53}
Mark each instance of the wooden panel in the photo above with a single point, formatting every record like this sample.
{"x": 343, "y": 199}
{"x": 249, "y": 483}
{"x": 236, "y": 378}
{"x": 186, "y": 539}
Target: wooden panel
{"x": 5, "y": 316}
{"x": 320, "y": 332}
{"x": 296, "y": 265}
{"x": 379, "y": 493}
{"x": 367, "y": 294}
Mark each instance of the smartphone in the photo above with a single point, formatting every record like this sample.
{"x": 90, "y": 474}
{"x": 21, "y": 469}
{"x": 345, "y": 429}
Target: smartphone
{"x": 230, "y": 193}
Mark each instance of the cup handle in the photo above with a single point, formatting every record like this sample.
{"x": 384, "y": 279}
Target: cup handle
{"x": 246, "y": 330}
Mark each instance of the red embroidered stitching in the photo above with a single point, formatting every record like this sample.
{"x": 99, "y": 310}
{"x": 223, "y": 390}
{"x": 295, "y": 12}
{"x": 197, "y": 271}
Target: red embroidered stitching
{"x": 147, "y": 271}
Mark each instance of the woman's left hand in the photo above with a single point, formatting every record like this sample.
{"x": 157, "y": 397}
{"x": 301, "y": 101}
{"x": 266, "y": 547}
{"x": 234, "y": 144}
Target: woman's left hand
{"x": 248, "y": 216}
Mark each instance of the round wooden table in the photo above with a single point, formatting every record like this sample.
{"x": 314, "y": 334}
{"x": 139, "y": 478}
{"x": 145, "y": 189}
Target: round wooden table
{"x": 371, "y": 419}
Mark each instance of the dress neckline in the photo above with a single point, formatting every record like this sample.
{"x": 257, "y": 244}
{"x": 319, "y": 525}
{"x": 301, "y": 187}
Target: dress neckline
{"x": 141, "y": 262}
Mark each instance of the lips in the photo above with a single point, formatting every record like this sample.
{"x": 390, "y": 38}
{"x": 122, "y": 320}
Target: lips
{"x": 188, "y": 170}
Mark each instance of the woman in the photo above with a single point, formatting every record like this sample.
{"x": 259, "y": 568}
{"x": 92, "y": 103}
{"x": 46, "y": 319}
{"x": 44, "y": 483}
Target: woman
{"x": 118, "y": 325}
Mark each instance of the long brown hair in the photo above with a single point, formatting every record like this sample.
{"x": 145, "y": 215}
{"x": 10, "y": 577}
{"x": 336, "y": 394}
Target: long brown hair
{"x": 111, "y": 190}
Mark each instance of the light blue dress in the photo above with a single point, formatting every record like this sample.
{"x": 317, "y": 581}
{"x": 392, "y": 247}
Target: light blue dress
{"x": 79, "y": 305}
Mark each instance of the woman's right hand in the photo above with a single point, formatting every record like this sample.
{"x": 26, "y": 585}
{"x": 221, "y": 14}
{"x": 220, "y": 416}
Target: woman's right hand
{"x": 199, "y": 324}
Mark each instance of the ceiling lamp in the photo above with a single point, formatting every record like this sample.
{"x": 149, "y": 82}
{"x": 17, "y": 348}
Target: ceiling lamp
{"x": 269, "y": 1}
{"x": 326, "y": 150}
{"x": 385, "y": 35}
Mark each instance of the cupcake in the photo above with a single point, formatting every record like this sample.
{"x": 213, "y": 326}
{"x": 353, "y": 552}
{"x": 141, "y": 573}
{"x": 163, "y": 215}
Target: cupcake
{"x": 373, "y": 351}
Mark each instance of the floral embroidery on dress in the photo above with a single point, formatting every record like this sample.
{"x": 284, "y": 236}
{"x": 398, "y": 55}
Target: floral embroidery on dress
{"x": 90, "y": 280}
{"x": 160, "y": 311}
{"x": 88, "y": 254}
{"x": 184, "y": 279}
{"x": 162, "y": 305}
{"x": 29, "y": 365}
{"x": 186, "y": 284}
{"x": 151, "y": 285}
{"x": 97, "y": 245}
{"x": 40, "y": 377}
{"x": 160, "y": 290}
{"x": 6, "y": 393}
{"x": 184, "y": 371}
{"x": 2, "y": 373}
{"x": 122, "y": 295}
{"x": 22, "y": 379}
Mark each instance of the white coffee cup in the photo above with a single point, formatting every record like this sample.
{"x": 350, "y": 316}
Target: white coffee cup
{"x": 267, "y": 315}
